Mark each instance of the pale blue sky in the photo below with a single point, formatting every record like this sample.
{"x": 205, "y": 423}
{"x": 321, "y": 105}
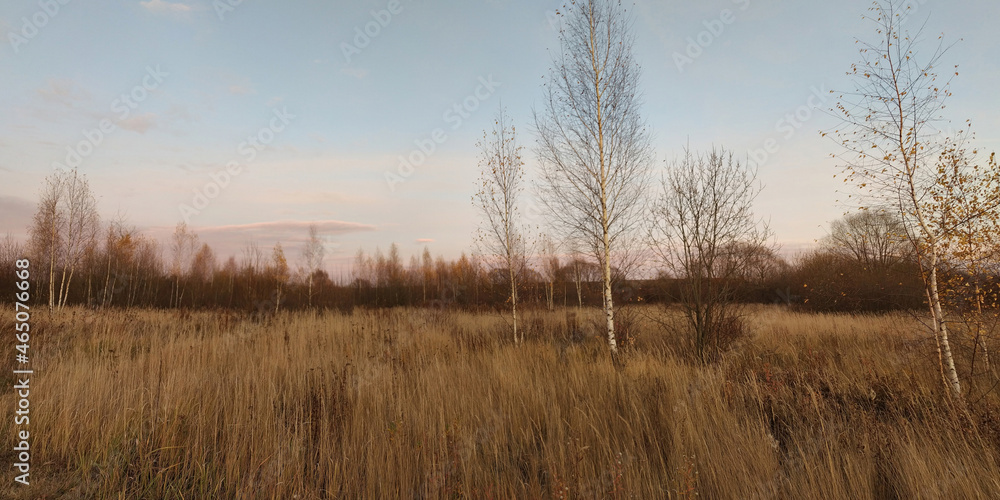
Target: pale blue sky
{"x": 224, "y": 79}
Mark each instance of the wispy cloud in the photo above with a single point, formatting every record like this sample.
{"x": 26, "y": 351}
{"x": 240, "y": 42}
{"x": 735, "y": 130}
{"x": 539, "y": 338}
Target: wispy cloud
{"x": 180, "y": 112}
{"x": 313, "y": 197}
{"x": 425, "y": 240}
{"x": 140, "y": 123}
{"x": 355, "y": 72}
{"x": 64, "y": 91}
{"x": 285, "y": 230}
{"x": 292, "y": 234}
{"x": 161, "y": 7}
{"x": 242, "y": 89}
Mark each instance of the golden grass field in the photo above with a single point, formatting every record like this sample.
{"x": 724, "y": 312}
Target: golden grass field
{"x": 429, "y": 404}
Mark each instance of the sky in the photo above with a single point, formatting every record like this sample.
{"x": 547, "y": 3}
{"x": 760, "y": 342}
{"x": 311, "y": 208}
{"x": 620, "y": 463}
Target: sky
{"x": 252, "y": 119}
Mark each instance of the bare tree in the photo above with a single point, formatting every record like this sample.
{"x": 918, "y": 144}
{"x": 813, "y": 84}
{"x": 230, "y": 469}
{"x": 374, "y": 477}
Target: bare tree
{"x": 253, "y": 264}
{"x": 894, "y": 152}
{"x": 118, "y": 249}
{"x": 500, "y": 185}
{"x": 82, "y": 224}
{"x": 64, "y": 228}
{"x": 427, "y": 272}
{"x": 577, "y": 266}
{"x": 593, "y": 146}
{"x": 550, "y": 268}
{"x": 10, "y": 251}
{"x": 874, "y": 238}
{"x": 46, "y": 230}
{"x": 279, "y": 273}
{"x": 202, "y": 273}
{"x": 702, "y": 224}
{"x": 313, "y": 254}
{"x": 183, "y": 247}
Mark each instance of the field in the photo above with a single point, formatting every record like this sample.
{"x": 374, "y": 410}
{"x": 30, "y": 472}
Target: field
{"x": 410, "y": 403}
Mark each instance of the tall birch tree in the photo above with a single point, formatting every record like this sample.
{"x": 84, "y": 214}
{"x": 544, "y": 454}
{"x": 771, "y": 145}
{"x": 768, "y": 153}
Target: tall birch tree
{"x": 313, "y": 254}
{"x": 592, "y": 142}
{"x": 895, "y": 153}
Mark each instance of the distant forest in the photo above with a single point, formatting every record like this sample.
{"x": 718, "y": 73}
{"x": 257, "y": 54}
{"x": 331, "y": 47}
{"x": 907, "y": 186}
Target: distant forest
{"x": 78, "y": 259}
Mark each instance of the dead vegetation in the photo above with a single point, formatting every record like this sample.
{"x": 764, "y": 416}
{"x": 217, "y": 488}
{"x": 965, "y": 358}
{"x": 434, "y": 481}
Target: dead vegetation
{"x": 413, "y": 403}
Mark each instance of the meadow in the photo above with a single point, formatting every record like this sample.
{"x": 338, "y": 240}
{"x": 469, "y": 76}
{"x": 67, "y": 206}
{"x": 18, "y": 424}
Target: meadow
{"x": 418, "y": 403}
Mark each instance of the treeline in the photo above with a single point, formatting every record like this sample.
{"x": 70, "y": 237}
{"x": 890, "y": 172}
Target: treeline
{"x": 864, "y": 265}
{"x": 860, "y": 267}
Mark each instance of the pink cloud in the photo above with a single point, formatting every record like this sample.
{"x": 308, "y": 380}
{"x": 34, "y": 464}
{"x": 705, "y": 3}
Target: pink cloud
{"x": 139, "y": 123}
{"x": 242, "y": 89}
{"x": 231, "y": 240}
{"x": 63, "y": 91}
{"x": 287, "y": 230}
{"x": 355, "y": 72}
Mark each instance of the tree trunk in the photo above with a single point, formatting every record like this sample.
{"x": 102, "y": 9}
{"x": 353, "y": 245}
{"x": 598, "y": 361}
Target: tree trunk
{"x": 65, "y": 299}
{"x": 62, "y": 285}
{"x": 986, "y": 356}
{"x": 107, "y": 283}
{"x": 52, "y": 270}
{"x": 579, "y": 292}
{"x": 979, "y": 325}
{"x": 942, "y": 326}
{"x": 609, "y": 310}
{"x": 513, "y": 297}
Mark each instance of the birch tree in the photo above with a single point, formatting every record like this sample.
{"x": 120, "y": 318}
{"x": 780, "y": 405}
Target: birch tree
{"x": 183, "y": 246}
{"x": 579, "y": 269}
{"x": 313, "y": 254}
{"x": 63, "y": 229}
{"x": 550, "y": 268}
{"x": 46, "y": 231}
{"x": 82, "y": 224}
{"x": 964, "y": 204}
{"x": 592, "y": 142}
{"x": 279, "y": 273}
{"x": 894, "y": 151}
{"x": 501, "y": 177}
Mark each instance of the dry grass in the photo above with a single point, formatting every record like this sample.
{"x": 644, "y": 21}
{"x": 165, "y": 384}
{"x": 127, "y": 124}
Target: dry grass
{"x": 423, "y": 404}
